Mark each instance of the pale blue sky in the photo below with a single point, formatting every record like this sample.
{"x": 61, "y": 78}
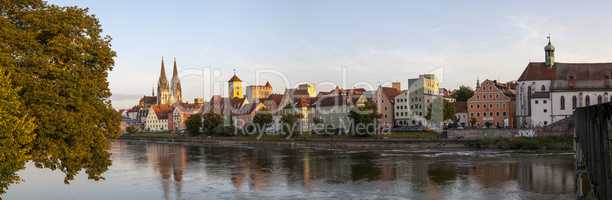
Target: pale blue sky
{"x": 313, "y": 40}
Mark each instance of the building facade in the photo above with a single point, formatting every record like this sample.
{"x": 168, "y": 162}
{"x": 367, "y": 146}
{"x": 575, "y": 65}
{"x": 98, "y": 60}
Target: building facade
{"x": 422, "y": 94}
{"x": 256, "y": 92}
{"x": 550, "y": 91}
{"x": 234, "y": 86}
{"x": 492, "y": 105}
{"x": 168, "y": 93}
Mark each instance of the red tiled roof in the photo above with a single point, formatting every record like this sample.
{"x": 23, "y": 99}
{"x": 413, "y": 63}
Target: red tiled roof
{"x": 390, "y": 92}
{"x": 332, "y": 100}
{"x": 460, "y": 107}
{"x": 162, "y": 110}
{"x": 567, "y": 71}
{"x": 275, "y": 98}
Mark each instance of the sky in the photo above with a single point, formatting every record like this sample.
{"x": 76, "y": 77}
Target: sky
{"x": 340, "y": 42}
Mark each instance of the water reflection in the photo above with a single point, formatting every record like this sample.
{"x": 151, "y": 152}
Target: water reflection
{"x": 276, "y": 172}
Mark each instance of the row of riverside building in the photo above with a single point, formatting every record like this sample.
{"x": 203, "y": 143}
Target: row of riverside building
{"x": 546, "y": 92}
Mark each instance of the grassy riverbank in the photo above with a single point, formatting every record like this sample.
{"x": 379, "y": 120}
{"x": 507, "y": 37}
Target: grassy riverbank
{"x": 552, "y": 143}
{"x": 393, "y": 140}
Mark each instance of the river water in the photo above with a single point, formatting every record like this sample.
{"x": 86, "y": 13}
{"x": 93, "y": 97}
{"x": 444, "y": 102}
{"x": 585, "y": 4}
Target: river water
{"x": 146, "y": 170}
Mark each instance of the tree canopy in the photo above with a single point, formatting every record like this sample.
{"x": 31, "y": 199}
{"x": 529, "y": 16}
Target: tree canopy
{"x": 463, "y": 93}
{"x": 60, "y": 61}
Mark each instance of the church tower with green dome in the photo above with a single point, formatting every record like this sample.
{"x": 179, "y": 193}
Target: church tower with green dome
{"x": 549, "y": 50}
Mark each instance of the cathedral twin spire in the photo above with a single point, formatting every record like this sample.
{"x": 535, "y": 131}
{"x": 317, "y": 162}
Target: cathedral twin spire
{"x": 169, "y": 93}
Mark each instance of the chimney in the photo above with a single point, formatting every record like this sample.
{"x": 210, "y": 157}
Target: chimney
{"x": 397, "y": 86}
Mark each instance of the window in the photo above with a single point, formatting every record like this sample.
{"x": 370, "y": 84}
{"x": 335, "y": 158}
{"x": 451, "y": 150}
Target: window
{"x": 562, "y": 102}
{"x": 545, "y": 110}
{"x": 599, "y": 99}
{"x": 484, "y": 114}
{"x": 544, "y": 101}
{"x": 574, "y": 102}
{"x": 504, "y": 114}
{"x": 587, "y": 100}
{"x": 536, "y": 101}
{"x": 543, "y": 88}
{"x": 497, "y": 114}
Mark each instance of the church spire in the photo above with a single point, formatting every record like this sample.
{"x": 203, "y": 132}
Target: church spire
{"x": 549, "y": 51}
{"x": 163, "y": 93}
{"x": 177, "y": 94}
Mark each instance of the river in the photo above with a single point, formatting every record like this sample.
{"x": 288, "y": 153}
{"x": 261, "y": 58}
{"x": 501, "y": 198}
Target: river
{"x": 147, "y": 170}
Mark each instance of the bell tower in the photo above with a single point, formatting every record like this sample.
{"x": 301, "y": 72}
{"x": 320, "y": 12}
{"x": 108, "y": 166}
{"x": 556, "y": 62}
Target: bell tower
{"x": 235, "y": 87}
{"x": 549, "y": 50}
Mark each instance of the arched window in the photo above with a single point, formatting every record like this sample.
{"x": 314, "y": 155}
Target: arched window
{"x": 543, "y": 88}
{"x": 599, "y": 99}
{"x": 587, "y": 100}
{"x": 574, "y": 102}
{"x": 562, "y": 102}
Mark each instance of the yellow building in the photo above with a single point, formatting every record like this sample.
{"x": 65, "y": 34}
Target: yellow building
{"x": 254, "y": 92}
{"x": 235, "y": 88}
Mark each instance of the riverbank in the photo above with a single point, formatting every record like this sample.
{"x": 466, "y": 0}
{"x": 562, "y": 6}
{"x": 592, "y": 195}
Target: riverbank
{"x": 393, "y": 141}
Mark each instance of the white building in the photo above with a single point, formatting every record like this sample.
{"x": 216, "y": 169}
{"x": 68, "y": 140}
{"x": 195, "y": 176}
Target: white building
{"x": 548, "y": 92}
{"x": 157, "y": 118}
{"x": 402, "y": 111}
{"x": 421, "y": 94}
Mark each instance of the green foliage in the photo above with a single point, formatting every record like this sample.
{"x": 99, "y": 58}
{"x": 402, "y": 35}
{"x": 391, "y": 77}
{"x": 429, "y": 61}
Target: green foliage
{"x": 60, "y": 61}
{"x": 559, "y": 143}
{"x": 449, "y": 110}
{"x": 132, "y": 129}
{"x": 262, "y": 119}
{"x": 194, "y": 124}
{"x": 366, "y": 115}
{"x": 211, "y": 123}
{"x": 463, "y": 93}
{"x": 16, "y": 133}
{"x": 289, "y": 120}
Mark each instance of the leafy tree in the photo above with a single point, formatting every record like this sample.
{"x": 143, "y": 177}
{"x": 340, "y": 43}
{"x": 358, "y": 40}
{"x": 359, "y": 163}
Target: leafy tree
{"x": 194, "y": 124}
{"x": 59, "y": 59}
{"x": 364, "y": 116}
{"x": 449, "y": 110}
{"x": 473, "y": 121}
{"x": 131, "y": 129}
{"x": 16, "y": 133}
{"x": 289, "y": 120}
{"x": 210, "y": 122}
{"x": 262, "y": 119}
{"x": 488, "y": 124}
{"x": 463, "y": 93}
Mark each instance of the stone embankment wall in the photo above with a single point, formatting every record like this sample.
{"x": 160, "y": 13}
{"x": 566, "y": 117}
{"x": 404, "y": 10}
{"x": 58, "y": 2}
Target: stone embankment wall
{"x": 476, "y": 134}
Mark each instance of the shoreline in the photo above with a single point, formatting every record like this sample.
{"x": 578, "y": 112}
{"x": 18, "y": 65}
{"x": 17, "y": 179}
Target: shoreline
{"x": 332, "y": 143}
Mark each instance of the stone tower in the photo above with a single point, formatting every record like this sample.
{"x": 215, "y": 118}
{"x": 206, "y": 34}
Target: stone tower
{"x": 549, "y": 50}
{"x": 235, "y": 87}
{"x": 163, "y": 90}
{"x": 175, "y": 86}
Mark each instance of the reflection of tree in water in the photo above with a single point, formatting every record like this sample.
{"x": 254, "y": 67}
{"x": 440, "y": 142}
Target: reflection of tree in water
{"x": 547, "y": 176}
{"x": 364, "y": 167}
{"x": 441, "y": 174}
{"x": 170, "y": 161}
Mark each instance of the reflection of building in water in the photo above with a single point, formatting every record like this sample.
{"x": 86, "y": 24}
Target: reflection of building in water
{"x": 252, "y": 169}
{"x": 547, "y": 176}
{"x": 170, "y": 161}
{"x": 494, "y": 174}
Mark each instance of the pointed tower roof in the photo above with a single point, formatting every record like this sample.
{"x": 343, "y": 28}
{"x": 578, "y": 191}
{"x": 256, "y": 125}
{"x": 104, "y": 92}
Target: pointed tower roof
{"x": 268, "y": 84}
{"x": 174, "y": 70}
{"x": 234, "y": 78}
{"x": 163, "y": 81}
{"x": 549, "y": 46}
